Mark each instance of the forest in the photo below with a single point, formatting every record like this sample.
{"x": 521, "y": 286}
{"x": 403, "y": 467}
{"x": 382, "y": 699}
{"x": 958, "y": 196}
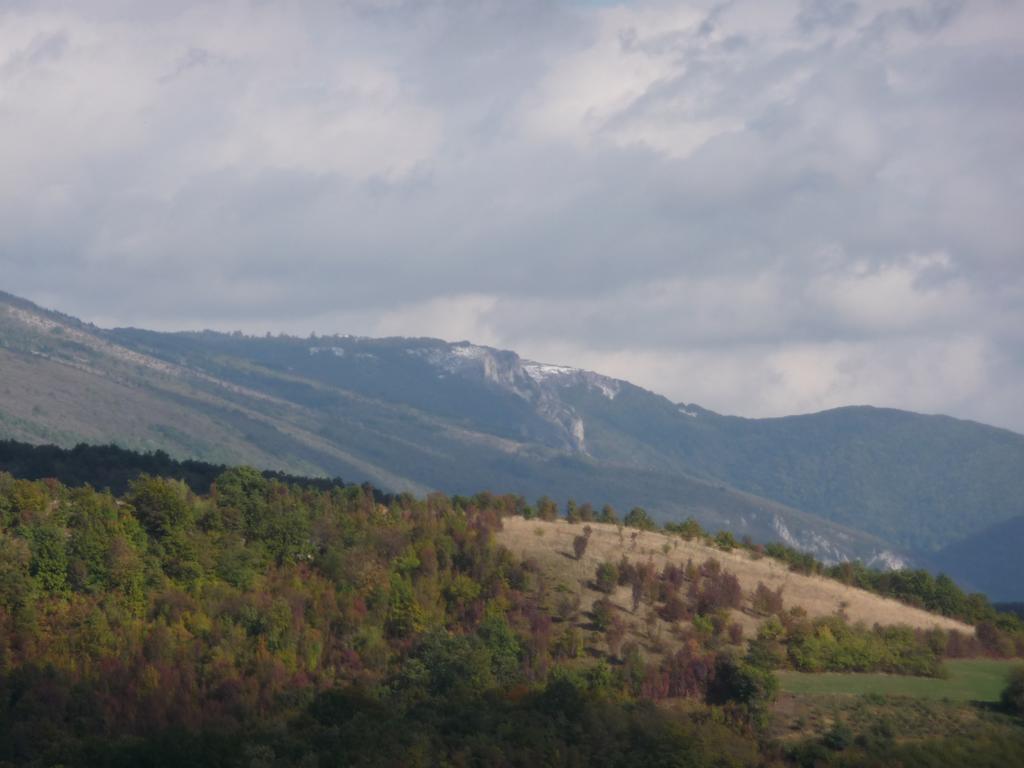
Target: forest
{"x": 270, "y": 621}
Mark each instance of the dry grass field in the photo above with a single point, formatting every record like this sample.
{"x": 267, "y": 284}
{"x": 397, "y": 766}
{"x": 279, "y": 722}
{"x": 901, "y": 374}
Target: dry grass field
{"x": 550, "y": 545}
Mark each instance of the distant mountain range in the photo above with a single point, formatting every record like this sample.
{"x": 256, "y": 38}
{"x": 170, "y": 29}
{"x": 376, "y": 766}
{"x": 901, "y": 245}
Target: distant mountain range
{"x": 885, "y": 486}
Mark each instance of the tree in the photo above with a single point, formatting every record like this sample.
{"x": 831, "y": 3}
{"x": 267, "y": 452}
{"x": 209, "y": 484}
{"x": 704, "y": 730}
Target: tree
{"x": 240, "y": 496}
{"x": 503, "y": 645}
{"x": 608, "y": 515}
{"x": 579, "y": 544}
{"x": 766, "y": 601}
{"x": 546, "y": 508}
{"x": 15, "y": 584}
{"x": 49, "y": 557}
{"x": 572, "y": 512}
{"x": 689, "y": 529}
{"x": 735, "y": 680}
{"x": 405, "y": 617}
{"x": 674, "y": 609}
{"x": 638, "y": 518}
{"x": 162, "y": 506}
{"x": 725, "y": 541}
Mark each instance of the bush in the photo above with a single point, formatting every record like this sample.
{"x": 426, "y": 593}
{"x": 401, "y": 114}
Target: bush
{"x": 725, "y": 541}
{"x": 606, "y": 578}
{"x": 603, "y": 611}
{"x": 674, "y": 609}
{"x": 689, "y": 529}
{"x": 579, "y": 546}
{"x": 1013, "y": 694}
{"x": 766, "y": 601}
{"x": 840, "y": 737}
{"x": 736, "y": 681}
{"x": 716, "y": 590}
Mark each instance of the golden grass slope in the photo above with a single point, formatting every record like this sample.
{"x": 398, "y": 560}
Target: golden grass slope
{"x": 550, "y": 544}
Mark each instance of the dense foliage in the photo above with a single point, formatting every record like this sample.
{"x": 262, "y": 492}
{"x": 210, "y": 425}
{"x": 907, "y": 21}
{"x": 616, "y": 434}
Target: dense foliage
{"x": 829, "y": 644}
{"x": 287, "y": 623}
{"x": 114, "y": 468}
{"x": 123, "y": 618}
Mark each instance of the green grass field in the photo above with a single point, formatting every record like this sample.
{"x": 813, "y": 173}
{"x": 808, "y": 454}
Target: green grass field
{"x": 969, "y": 680}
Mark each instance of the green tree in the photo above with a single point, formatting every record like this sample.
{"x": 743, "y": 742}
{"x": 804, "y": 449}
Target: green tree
{"x": 751, "y": 686}
{"x": 104, "y": 539}
{"x": 161, "y": 506}
{"x": 405, "y": 617}
{"x": 725, "y": 541}
{"x": 608, "y": 515}
{"x": 572, "y": 512}
{"x": 240, "y": 497}
{"x": 16, "y": 588}
{"x": 503, "y": 647}
{"x": 547, "y": 509}
{"x": 638, "y": 518}
{"x": 49, "y": 566}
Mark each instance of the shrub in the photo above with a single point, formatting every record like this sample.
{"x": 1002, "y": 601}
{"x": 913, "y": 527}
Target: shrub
{"x": 725, "y": 541}
{"x": 735, "y": 633}
{"x": 765, "y": 601}
{"x": 717, "y": 589}
{"x": 737, "y": 681}
{"x": 689, "y": 529}
{"x": 614, "y": 634}
{"x": 579, "y": 545}
{"x": 606, "y": 578}
{"x": 674, "y": 609}
{"x": 1013, "y": 694}
{"x": 603, "y": 611}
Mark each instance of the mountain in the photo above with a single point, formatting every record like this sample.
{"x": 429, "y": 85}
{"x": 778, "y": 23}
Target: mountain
{"x": 882, "y": 485}
{"x": 989, "y": 561}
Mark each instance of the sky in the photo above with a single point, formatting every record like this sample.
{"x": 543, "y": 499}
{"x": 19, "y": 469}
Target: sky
{"x": 761, "y": 207}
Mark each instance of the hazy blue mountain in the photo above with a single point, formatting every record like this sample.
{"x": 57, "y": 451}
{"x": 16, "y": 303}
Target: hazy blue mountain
{"x": 422, "y": 414}
{"x": 991, "y": 561}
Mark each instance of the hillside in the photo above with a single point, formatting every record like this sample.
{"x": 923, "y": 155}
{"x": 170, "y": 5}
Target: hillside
{"x": 549, "y": 544}
{"x": 421, "y": 414}
{"x": 295, "y": 623}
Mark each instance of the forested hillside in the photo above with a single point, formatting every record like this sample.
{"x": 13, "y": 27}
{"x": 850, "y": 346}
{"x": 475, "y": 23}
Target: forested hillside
{"x": 112, "y": 468}
{"x": 286, "y": 623}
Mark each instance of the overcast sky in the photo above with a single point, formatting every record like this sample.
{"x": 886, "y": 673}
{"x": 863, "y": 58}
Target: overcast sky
{"x": 761, "y": 207}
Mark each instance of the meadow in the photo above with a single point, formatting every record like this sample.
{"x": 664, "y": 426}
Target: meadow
{"x": 980, "y": 680}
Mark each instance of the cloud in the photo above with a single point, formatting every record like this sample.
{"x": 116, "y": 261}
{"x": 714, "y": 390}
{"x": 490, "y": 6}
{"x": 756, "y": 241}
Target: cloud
{"x": 761, "y": 207}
